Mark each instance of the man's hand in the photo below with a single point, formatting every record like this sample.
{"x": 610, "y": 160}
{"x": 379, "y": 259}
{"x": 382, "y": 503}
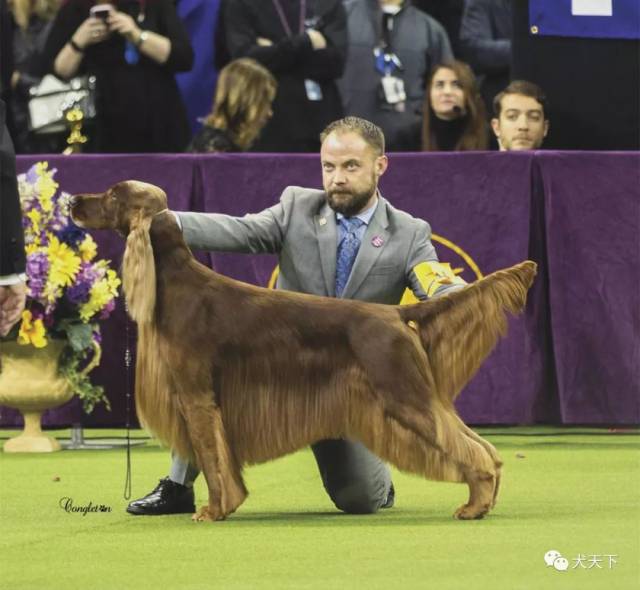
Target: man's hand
{"x": 12, "y": 301}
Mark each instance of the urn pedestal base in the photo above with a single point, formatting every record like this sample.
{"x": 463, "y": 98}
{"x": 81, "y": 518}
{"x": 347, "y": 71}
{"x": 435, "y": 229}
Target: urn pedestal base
{"x": 31, "y": 439}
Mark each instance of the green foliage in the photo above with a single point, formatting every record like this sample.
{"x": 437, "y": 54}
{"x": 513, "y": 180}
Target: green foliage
{"x": 79, "y": 335}
{"x": 70, "y": 367}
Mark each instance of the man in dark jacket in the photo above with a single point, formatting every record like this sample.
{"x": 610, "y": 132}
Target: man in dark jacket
{"x": 12, "y": 256}
{"x": 485, "y": 41}
{"x": 303, "y": 44}
{"x": 393, "y": 47}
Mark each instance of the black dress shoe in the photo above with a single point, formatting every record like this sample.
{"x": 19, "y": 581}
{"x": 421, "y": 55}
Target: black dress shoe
{"x": 168, "y": 497}
{"x": 391, "y": 498}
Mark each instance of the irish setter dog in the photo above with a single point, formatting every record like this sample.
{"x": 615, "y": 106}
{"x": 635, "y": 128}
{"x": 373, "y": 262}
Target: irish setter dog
{"x": 229, "y": 374}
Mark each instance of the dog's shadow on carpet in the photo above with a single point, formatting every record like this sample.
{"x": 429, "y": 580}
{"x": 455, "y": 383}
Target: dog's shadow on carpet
{"x": 329, "y": 518}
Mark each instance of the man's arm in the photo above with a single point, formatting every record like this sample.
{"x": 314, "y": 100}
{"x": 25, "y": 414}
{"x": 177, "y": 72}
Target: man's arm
{"x": 255, "y": 233}
{"x": 319, "y": 54}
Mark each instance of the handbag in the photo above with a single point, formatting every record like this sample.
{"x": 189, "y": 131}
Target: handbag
{"x": 52, "y": 98}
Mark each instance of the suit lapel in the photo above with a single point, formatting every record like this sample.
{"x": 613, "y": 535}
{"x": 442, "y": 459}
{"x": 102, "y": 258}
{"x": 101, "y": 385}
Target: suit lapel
{"x": 376, "y": 233}
{"x": 326, "y": 230}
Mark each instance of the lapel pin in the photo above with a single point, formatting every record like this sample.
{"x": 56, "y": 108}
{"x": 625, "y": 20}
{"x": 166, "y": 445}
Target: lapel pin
{"x": 323, "y": 221}
{"x": 377, "y": 241}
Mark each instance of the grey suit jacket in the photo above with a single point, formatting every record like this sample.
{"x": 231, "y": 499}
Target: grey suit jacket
{"x": 302, "y": 230}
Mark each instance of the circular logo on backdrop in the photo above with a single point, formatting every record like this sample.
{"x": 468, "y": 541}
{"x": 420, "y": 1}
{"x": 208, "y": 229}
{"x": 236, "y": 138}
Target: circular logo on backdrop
{"x": 457, "y": 257}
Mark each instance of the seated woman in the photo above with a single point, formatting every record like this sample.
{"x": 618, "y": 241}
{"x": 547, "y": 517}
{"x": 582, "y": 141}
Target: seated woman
{"x": 454, "y": 116}
{"x": 242, "y": 106}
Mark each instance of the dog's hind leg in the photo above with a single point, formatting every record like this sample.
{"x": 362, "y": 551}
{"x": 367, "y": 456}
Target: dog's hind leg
{"x": 397, "y": 371}
{"x": 455, "y": 458}
{"x": 497, "y": 461}
{"x": 213, "y": 455}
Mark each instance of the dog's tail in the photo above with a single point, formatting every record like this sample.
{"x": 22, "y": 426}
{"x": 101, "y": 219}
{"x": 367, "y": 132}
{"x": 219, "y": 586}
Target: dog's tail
{"x": 459, "y": 330}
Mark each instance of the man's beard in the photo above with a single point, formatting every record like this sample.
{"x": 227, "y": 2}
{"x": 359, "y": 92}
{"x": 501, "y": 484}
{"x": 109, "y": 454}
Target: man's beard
{"x": 350, "y": 203}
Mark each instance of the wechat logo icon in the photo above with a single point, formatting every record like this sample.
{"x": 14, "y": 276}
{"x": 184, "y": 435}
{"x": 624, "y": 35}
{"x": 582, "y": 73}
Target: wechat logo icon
{"x": 554, "y": 559}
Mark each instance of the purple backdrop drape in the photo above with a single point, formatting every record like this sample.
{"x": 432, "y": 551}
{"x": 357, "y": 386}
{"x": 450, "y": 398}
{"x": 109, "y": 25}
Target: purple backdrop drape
{"x": 574, "y": 357}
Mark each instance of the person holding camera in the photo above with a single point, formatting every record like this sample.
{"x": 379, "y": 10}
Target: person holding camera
{"x": 134, "y": 48}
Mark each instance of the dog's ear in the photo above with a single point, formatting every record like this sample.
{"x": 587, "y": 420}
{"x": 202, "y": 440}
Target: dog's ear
{"x": 139, "y": 270}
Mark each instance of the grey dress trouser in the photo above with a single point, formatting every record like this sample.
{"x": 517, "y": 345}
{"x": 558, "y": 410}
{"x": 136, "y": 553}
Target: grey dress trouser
{"x": 356, "y": 480}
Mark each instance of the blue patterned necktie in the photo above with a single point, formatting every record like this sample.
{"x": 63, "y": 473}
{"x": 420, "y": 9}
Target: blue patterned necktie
{"x": 347, "y": 251}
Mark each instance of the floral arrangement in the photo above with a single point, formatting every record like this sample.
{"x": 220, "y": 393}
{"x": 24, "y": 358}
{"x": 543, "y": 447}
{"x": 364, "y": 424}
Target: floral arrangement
{"x": 68, "y": 290}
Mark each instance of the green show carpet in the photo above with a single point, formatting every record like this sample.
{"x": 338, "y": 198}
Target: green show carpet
{"x": 575, "y": 491}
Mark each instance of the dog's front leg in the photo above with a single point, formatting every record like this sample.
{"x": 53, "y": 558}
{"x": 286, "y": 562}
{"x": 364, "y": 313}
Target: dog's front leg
{"x": 222, "y": 474}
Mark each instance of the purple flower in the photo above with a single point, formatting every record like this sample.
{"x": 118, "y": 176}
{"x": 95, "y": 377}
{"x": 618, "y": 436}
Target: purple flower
{"x": 32, "y": 175}
{"x": 78, "y": 293}
{"x": 37, "y": 313}
{"x": 49, "y": 310}
{"x": 37, "y": 271}
{"x": 107, "y": 309}
{"x": 71, "y": 235}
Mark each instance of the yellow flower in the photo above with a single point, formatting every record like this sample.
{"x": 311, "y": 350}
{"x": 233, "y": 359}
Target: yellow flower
{"x": 41, "y": 168}
{"x": 51, "y": 293}
{"x": 32, "y": 332}
{"x": 31, "y": 248}
{"x": 99, "y": 296}
{"x": 46, "y": 186}
{"x": 88, "y": 249}
{"x": 64, "y": 263}
{"x": 102, "y": 292}
{"x": 35, "y": 217}
{"x": 114, "y": 282}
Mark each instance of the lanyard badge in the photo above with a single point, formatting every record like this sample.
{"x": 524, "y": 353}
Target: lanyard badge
{"x": 386, "y": 63}
{"x": 391, "y": 87}
{"x": 131, "y": 53}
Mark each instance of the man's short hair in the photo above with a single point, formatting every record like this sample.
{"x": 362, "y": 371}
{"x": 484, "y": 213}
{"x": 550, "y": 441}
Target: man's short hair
{"x": 370, "y": 132}
{"x": 523, "y": 87}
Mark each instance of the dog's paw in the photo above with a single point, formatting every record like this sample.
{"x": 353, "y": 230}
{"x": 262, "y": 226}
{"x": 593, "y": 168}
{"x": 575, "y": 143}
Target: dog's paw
{"x": 471, "y": 512}
{"x": 205, "y": 514}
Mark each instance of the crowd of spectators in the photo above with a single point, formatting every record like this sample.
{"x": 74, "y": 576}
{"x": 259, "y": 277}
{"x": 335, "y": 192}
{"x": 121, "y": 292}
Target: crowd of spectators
{"x": 425, "y": 71}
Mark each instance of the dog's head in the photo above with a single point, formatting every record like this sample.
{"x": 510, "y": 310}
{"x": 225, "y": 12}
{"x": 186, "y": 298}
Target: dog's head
{"x": 128, "y": 207}
{"x": 122, "y": 207}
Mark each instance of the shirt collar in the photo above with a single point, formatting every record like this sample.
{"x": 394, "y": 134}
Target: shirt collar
{"x": 366, "y": 215}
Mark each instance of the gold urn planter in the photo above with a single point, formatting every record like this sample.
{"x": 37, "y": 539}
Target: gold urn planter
{"x": 30, "y": 382}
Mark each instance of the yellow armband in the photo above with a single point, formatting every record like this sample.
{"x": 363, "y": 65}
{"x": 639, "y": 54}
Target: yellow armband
{"x": 431, "y": 276}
